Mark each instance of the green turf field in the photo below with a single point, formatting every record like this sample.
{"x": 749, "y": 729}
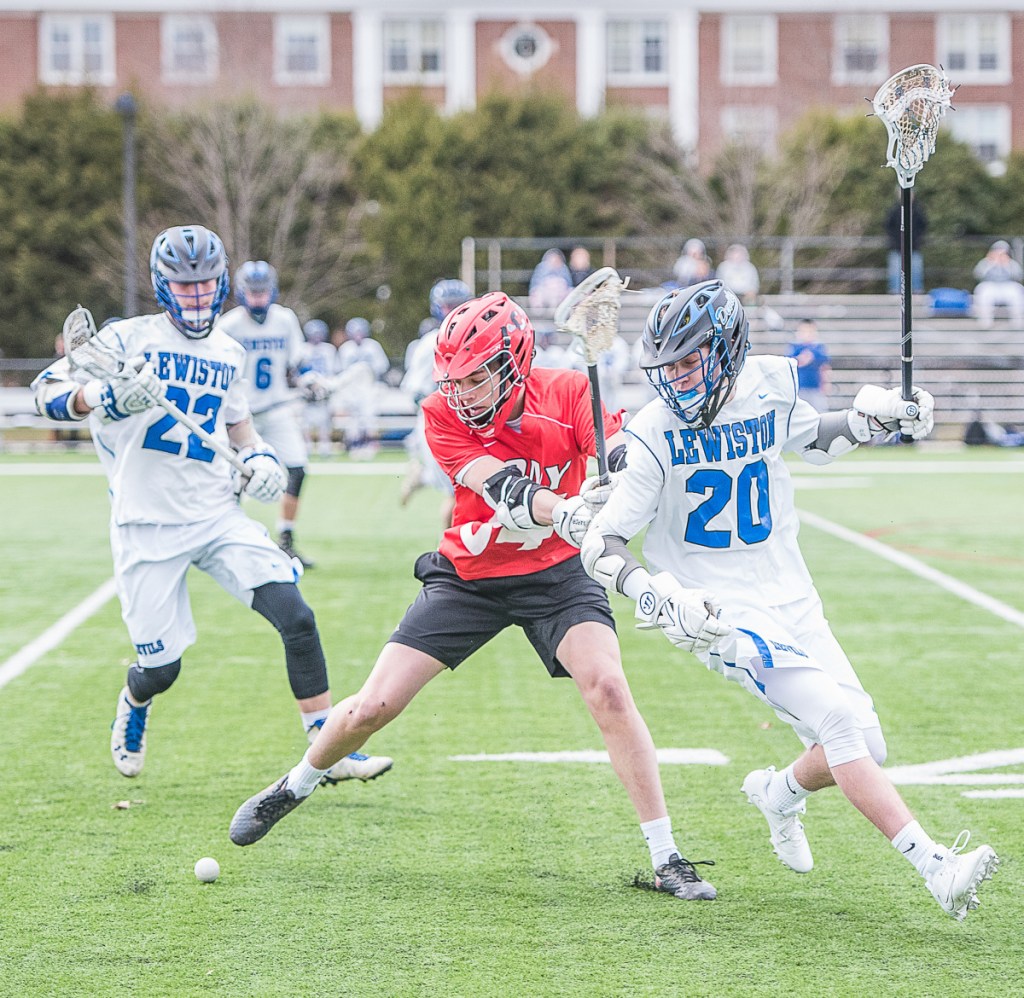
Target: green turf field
{"x": 456, "y": 878}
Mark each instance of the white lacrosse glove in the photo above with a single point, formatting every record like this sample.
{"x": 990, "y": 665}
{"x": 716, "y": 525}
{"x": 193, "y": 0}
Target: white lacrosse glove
{"x": 596, "y": 493}
{"x": 314, "y": 387}
{"x": 571, "y": 518}
{"x": 688, "y": 617}
{"x": 134, "y": 389}
{"x": 886, "y": 409}
{"x": 268, "y": 479}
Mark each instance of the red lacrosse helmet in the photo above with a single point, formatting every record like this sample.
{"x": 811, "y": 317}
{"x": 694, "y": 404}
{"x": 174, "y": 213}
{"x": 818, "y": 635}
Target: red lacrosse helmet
{"x": 491, "y": 334}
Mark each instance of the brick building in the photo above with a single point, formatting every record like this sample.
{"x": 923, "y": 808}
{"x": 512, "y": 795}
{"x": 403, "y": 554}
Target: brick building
{"x": 714, "y": 69}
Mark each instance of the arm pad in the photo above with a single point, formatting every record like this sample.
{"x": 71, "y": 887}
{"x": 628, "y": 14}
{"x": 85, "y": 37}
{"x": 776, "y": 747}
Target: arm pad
{"x": 55, "y": 400}
{"x": 607, "y": 560}
{"x": 838, "y": 434}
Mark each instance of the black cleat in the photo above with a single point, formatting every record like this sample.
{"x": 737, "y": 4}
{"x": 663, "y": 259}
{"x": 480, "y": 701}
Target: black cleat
{"x": 261, "y": 812}
{"x": 286, "y": 542}
{"x": 679, "y": 878}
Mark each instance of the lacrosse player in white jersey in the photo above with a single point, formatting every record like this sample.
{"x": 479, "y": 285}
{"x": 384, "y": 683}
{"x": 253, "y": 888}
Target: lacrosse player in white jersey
{"x": 320, "y": 357}
{"x": 361, "y": 354}
{"x": 274, "y": 366}
{"x": 173, "y": 497}
{"x": 705, "y": 475}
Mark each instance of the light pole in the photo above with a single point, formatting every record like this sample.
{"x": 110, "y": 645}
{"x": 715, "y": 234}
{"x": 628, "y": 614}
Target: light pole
{"x": 127, "y": 108}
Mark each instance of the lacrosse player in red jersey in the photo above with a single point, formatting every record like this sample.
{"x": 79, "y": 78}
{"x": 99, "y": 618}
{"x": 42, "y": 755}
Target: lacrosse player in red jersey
{"x": 705, "y": 475}
{"x": 514, "y": 442}
{"x": 173, "y": 497}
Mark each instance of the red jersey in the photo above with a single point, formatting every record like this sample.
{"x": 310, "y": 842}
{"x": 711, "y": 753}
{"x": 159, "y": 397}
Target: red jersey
{"x": 550, "y": 445}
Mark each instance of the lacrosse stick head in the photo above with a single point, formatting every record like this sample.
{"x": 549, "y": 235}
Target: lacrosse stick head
{"x": 911, "y": 104}
{"x": 85, "y": 350}
{"x": 590, "y": 312}
{"x": 695, "y": 341}
{"x": 483, "y": 357}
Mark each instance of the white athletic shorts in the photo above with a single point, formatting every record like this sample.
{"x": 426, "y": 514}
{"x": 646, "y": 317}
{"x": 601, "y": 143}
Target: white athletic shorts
{"x": 152, "y": 560}
{"x": 774, "y": 645}
{"x": 280, "y": 428}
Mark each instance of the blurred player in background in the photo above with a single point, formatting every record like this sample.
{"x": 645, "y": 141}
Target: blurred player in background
{"x": 418, "y": 381}
{"x": 173, "y": 498}
{"x": 362, "y": 354}
{"x": 321, "y": 356}
{"x": 705, "y": 475}
{"x": 513, "y": 441}
{"x": 274, "y": 367}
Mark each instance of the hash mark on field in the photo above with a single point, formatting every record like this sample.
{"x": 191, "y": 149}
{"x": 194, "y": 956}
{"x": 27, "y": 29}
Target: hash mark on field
{"x": 55, "y": 633}
{"x": 918, "y": 568}
{"x": 666, "y": 757}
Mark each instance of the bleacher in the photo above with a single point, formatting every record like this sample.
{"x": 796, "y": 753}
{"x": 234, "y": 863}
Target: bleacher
{"x": 969, "y": 370}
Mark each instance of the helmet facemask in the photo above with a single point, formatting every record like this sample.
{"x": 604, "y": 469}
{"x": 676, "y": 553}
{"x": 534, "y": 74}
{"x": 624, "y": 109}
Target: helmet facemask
{"x": 483, "y": 399}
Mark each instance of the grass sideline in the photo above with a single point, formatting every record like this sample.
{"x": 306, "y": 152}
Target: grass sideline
{"x": 449, "y": 878}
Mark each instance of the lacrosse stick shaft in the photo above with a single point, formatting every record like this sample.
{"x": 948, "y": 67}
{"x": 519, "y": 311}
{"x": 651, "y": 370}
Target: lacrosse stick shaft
{"x": 208, "y": 438}
{"x": 600, "y": 443}
{"x": 906, "y": 296}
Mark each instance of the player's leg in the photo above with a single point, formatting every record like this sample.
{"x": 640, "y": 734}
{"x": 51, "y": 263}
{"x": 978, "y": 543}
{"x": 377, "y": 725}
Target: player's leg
{"x": 151, "y": 587}
{"x": 280, "y": 428}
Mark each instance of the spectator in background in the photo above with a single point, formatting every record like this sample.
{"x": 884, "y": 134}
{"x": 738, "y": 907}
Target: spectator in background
{"x": 999, "y": 277}
{"x": 919, "y": 225}
{"x": 361, "y": 350}
{"x": 693, "y": 265}
{"x": 813, "y": 365}
{"x": 579, "y": 264}
{"x": 739, "y": 275}
{"x": 551, "y": 280}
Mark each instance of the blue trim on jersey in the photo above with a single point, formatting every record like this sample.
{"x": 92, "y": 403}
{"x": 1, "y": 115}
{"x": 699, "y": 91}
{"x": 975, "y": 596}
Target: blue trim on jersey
{"x": 763, "y": 650}
{"x": 796, "y": 395}
{"x": 655, "y": 456}
{"x": 58, "y": 408}
{"x": 96, "y": 437}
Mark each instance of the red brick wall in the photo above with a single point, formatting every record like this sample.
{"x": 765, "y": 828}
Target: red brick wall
{"x": 558, "y": 75}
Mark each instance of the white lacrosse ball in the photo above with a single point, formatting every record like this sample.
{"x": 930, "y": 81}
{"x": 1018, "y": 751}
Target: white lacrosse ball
{"x": 207, "y": 870}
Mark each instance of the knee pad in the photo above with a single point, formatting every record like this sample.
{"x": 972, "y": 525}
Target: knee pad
{"x": 841, "y": 738}
{"x": 282, "y": 604}
{"x": 875, "y": 741}
{"x": 144, "y": 684}
{"x": 295, "y": 477}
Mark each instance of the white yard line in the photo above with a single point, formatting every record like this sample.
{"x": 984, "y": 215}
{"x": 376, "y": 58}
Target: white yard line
{"x": 55, "y": 633}
{"x": 918, "y": 568}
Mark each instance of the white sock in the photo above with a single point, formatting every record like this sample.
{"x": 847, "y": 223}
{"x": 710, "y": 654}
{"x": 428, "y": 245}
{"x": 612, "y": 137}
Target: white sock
{"x": 283, "y": 525}
{"x": 658, "y": 834}
{"x": 784, "y": 791}
{"x": 304, "y": 778}
{"x": 314, "y": 721}
{"x": 918, "y": 847}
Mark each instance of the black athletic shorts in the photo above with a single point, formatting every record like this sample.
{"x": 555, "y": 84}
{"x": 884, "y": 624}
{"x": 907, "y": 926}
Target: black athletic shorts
{"x": 452, "y": 617}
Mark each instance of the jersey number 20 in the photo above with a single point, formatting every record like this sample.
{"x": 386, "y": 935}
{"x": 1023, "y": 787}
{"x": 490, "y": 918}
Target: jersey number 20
{"x": 753, "y": 517}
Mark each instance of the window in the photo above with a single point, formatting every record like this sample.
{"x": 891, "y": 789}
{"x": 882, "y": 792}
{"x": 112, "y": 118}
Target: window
{"x": 975, "y": 48}
{"x": 985, "y": 128}
{"x": 188, "y": 49}
{"x": 749, "y": 49}
{"x": 861, "y": 49}
{"x": 413, "y": 51}
{"x": 76, "y": 49}
{"x": 637, "y": 52}
{"x": 755, "y": 127}
{"x": 526, "y": 47}
{"x": 302, "y": 50}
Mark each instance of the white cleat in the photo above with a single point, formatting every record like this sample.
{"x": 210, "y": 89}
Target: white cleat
{"x": 357, "y": 766}
{"x": 955, "y": 880}
{"x": 787, "y": 831}
{"x": 128, "y": 735}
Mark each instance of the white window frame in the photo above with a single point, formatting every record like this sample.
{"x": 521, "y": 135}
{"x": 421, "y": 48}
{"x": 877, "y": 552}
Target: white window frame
{"x": 415, "y": 29}
{"x": 639, "y": 30}
{"x": 875, "y": 27}
{"x": 968, "y": 125}
{"x": 286, "y": 27}
{"x": 76, "y": 74}
{"x": 964, "y": 31}
{"x": 170, "y": 25}
{"x": 769, "y": 73}
{"x": 765, "y": 137}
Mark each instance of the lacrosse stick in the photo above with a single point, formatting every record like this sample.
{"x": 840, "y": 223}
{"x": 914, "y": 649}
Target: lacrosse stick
{"x": 590, "y": 312}
{"x": 911, "y": 105}
{"x": 86, "y": 351}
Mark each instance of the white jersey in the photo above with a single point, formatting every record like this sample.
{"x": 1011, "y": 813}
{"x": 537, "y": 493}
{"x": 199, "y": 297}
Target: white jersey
{"x": 418, "y": 379}
{"x": 320, "y": 357}
{"x": 719, "y": 501}
{"x": 159, "y": 472}
{"x": 272, "y": 349}
{"x": 368, "y": 352}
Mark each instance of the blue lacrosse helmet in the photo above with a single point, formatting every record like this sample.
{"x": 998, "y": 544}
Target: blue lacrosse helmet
{"x": 681, "y": 324}
{"x": 316, "y": 331}
{"x": 256, "y": 278}
{"x": 190, "y": 254}
{"x": 357, "y": 329}
{"x": 446, "y": 295}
